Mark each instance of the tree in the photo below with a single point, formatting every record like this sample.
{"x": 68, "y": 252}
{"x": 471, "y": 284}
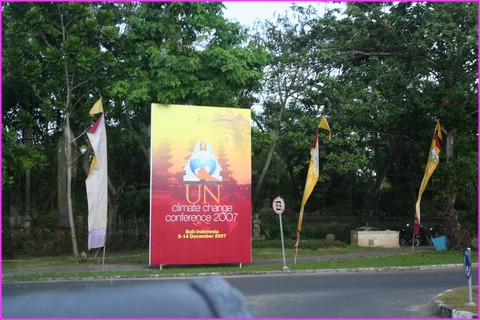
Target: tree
{"x": 288, "y": 72}
{"x": 382, "y": 73}
{"x": 400, "y": 67}
{"x": 59, "y": 50}
{"x": 63, "y": 57}
{"x": 178, "y": 53}
{"x": 452, "y": 64}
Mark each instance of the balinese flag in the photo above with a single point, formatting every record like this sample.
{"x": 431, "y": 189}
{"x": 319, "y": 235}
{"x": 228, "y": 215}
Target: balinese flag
{"x": 432, "y": 162}
{"x": 97, "y": 186}
{"x": 324, "y": 125}
{"x": 312, "y": 176}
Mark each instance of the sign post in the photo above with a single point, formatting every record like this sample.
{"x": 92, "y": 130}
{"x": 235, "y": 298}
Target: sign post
{"x": 467, "y": 267}
{"x": 278, "y": 207}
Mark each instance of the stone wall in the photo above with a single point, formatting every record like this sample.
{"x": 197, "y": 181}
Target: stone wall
{"x": 383, "y": 239}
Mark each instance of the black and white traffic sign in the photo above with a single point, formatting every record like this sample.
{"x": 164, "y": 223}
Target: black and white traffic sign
{"x": 278, "y": 205}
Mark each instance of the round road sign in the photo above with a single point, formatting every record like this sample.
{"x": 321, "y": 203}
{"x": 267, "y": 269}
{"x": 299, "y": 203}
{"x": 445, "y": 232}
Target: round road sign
{"x": 467, "y": 264}
{"x": 278, "y": 205}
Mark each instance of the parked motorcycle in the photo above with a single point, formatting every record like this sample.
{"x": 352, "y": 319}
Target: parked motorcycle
{"x": 433, "y": 232}
{"x": 406, "y": 236}
{"x": 424, "y": 238}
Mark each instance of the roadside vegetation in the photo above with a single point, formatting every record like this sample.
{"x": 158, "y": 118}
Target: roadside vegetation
{"x": 135, "y": 263}
{"x": 382, "y": 73}
{"x": 457, "y": 298}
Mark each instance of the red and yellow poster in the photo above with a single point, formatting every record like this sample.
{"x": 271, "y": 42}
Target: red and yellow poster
{"x": 200, "y": 211}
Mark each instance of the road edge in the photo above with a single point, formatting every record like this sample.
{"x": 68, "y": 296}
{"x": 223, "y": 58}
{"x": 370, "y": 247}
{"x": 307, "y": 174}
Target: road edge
{"x": 442, "y": 310}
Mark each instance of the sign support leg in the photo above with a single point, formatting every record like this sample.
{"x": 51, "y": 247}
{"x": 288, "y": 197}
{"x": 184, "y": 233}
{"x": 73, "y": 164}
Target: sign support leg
{"x": 283, "y": 246}
{"x": 467, "y": 266}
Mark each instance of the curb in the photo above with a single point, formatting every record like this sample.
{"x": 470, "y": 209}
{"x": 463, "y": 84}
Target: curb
{"x": 246, "y": 273}
{"x": 441, "y": 310}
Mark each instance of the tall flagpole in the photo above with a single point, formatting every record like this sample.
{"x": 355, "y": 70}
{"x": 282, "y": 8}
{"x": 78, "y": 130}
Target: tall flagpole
{"x": 413, "y": 241}
{"x": 298, "y": 237}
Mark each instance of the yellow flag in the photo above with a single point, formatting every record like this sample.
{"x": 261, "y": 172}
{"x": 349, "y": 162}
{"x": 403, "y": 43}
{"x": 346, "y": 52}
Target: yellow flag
{"x": 324, "y": 125}
{"x": 97, "y": 108}
{"x": 313, "y": 171}
{"x": 432, "y": 162}
{"x": 312, "y": 177}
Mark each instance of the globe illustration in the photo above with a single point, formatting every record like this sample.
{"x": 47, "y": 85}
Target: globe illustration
{"x": 203, "y": 159}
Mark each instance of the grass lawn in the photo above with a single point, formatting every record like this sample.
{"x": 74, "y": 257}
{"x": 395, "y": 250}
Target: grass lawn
{"x": 457, "y": 298}
{"x": 260, "y": 250}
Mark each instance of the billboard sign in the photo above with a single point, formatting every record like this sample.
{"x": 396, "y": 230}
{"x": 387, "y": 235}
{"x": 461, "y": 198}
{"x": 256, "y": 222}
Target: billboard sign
{"x": 200, "y": 185}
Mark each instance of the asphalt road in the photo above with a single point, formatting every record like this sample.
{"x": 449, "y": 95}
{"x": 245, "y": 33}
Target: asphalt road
{"x": 400, "y": 294}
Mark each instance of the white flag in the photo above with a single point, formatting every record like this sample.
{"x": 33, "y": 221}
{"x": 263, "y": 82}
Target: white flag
{"x": 97, "y": 186}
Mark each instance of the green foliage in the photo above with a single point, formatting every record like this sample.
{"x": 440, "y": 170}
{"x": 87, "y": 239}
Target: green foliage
{"x": 16, "y": 159}
{"x": 381, "y": 73}
{"x": 390, "y": 77}
{"x": 59, "y": 58}
{"x": 44, "y": 237}
{"x": 457, "y": 299}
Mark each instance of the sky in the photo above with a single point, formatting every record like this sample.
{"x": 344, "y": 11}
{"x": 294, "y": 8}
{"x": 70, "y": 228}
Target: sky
{"x": 247, "y": 12}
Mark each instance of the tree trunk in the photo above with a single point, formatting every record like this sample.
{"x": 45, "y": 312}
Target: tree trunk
{"x": 68, "y": 142}
{"x": 375, "y": 193}
{"x": 68, "y": 155}
{"x": 28, "y": 140}
{"x": 264, "y": 171}
{"x": 283, "y": 103}
{"x": 137, "y": 138}
{"x": 113, "y": 205}
{"x": 458, "y": 238}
